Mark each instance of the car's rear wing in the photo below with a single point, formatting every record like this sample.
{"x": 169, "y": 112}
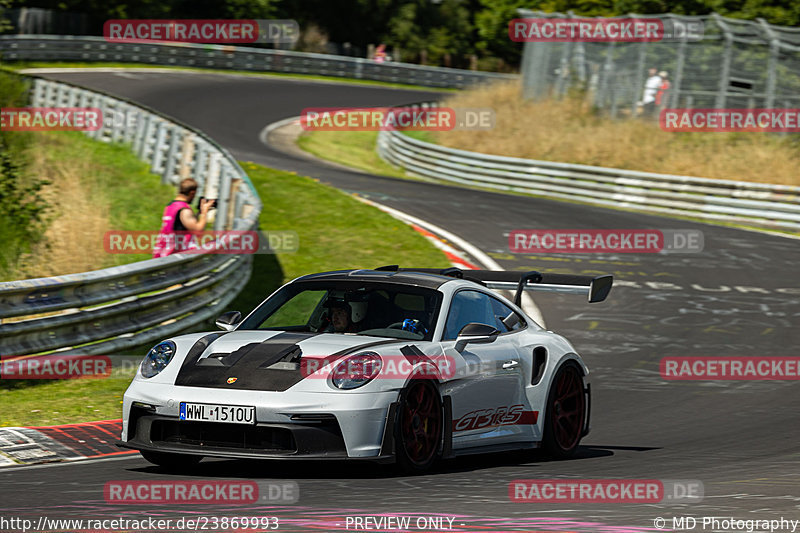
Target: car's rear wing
{"x": 595, "y": 287}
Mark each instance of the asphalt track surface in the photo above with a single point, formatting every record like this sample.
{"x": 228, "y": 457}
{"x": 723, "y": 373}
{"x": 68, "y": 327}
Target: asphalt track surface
{"x": 740, "y": 296}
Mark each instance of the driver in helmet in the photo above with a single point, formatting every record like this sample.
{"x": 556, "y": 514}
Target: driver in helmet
{"x": 345, "y": 316}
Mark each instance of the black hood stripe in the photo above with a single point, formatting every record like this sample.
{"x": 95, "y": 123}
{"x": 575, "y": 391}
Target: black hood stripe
{"x": 250, "y": 363}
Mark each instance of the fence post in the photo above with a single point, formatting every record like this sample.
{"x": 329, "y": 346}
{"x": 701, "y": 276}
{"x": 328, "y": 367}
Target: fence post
{"x": 774, "y": 51}
{"x": 676, "y": 86}
{"x": 613, "y": 93}
{"x": 638, "y": 77}
{"x": 564, "y": 70}
{"x": 605, "y": 76}
{"x": 724, "y": 78}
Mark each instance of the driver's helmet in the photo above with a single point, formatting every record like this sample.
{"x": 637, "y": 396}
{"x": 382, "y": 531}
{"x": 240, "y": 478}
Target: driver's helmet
{"x": 357, "y": 308}
{"x": 414, "y": 326}
{"x": 358, "y": 311}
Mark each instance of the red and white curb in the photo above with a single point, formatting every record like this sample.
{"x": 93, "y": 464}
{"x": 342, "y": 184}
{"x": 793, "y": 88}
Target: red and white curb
{"x": 69, "y": 442}
{"x": 456, "y": 257}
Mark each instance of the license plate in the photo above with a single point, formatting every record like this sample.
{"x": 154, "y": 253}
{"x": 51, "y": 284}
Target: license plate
{"x": 207, "y": 412}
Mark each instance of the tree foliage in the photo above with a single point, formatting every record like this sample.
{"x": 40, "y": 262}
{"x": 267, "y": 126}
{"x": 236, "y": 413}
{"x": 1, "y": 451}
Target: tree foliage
{"x": 442, "y": 31}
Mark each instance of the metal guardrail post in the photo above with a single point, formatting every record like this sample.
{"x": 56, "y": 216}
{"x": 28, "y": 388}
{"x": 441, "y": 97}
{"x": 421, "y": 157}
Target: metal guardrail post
{"x": 158, "y": 152}
{"x": 138, "y": 135}
{"x": 147, "y": 134}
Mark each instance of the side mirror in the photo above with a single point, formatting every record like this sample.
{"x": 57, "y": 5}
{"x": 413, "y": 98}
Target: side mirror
{"x": 228, "y": 321}
{"x": 475, "y": 333}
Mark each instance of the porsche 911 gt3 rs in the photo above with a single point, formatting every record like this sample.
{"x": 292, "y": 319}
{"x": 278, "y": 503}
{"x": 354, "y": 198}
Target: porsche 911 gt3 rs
{"x": 396, "y": 365}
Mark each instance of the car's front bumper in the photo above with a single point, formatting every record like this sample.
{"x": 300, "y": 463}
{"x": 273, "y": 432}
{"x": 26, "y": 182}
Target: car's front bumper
{"x": 312, "y": 438}
{"x": 288, "y": 425}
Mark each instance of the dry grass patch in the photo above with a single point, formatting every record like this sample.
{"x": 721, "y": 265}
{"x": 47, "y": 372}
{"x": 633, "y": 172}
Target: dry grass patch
{"x": 73, "y": 241}
{"x": 93, "y": 187}
{"x": 569, "y": 131}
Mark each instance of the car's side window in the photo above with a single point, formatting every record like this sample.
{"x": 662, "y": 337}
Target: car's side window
{"x": 507, "y": 319}
{"x": 468, "y": 306}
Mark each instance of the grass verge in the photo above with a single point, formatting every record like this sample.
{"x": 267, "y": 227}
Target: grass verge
{"x": 354, "y": 149}
{"x": 46, "y": 403}
{"x": 335, "y": 231}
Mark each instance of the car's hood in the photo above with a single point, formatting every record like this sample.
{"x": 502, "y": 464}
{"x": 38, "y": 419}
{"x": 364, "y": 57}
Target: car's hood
{"x": 263, "y": 360}
{"x": 315, "y": 345}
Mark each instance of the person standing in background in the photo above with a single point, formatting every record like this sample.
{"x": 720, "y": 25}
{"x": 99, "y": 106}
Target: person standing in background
{"x": 650, "y": 89}
{"x": 663, "y": 90}
{"x": 179, "y": 217}
{"x": 380, "y": 53}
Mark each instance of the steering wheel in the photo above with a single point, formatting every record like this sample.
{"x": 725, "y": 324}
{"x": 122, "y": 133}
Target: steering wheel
{"x": 396, "y": 325}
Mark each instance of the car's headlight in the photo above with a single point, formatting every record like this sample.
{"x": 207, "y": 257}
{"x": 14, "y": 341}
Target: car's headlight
{"x": 158, "y": 358}
{"x": 356, "y": 370}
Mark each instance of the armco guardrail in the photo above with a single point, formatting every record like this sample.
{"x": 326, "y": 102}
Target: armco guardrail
{"x": 106, "y": 310}
{"x": 755, "y": 204}
{"x": 69, "y": 48}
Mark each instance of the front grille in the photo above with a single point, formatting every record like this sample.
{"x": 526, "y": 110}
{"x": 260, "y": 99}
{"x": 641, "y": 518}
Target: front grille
{"x": 219, "y": 435}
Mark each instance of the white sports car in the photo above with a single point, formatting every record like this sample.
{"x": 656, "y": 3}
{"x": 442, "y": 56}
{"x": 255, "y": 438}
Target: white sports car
{"x": 405, "y": 365}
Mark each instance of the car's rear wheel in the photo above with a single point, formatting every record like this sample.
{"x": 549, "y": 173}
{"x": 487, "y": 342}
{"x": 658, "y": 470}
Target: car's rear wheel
{"x": 418, "y": 430}
{"x": 565, "y": 412}
{"x": 171, "y": 460}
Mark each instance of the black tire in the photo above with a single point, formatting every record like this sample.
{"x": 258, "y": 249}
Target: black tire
{"x": 172, "y": 461}
{"x": 419, "y": 427}
{"x": 565, "y": 412}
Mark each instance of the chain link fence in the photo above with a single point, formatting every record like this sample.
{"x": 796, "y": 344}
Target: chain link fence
{"x": 732, "y": 64}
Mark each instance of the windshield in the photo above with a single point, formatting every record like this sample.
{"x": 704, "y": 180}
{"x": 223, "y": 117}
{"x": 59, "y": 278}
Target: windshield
{"x": 381, "y": 310}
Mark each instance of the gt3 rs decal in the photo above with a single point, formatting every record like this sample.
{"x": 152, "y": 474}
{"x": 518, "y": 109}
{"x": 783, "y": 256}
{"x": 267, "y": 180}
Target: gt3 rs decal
{"x": 501, "y": 416}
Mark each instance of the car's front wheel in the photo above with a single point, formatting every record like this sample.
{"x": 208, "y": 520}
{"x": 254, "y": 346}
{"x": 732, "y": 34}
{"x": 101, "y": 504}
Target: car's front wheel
{"x": 171, "y": 460}
{"x": 419, "y": 424}
{"x": 565, "y": 412}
